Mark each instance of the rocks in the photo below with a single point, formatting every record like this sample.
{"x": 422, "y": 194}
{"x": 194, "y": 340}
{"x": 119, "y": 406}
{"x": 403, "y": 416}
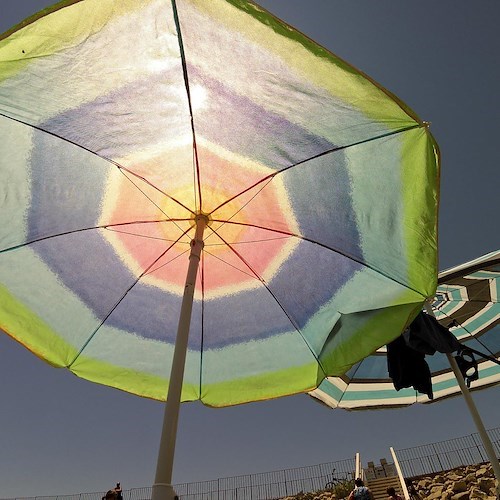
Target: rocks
{"x": 463, "y": 483}
{"x": 471, "y": 482}
{"x": 436, "y": 492}
{"x": 459, "y": 486}
{"x": 461, "y": 496}
{"x": 424, "y": 483}
{"x": 313, "y": 495}
{"x": 486, "y": 483}
{"x": 476, "y": 493}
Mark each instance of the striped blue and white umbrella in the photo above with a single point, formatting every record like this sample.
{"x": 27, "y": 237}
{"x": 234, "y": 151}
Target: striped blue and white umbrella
{"x": 466, "y": 302}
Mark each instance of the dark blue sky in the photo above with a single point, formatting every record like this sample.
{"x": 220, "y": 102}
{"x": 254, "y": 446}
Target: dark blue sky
{"x": 60, "y": 434}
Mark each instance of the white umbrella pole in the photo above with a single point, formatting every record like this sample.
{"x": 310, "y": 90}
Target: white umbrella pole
{"x": 488, "y": 447}
{"x": 162, "y": 488}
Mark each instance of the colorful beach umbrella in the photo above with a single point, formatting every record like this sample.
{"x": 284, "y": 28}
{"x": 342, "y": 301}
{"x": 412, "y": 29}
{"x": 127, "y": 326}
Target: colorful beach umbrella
{"x": 466, "y": 302}
{"x": 127, "y": 126}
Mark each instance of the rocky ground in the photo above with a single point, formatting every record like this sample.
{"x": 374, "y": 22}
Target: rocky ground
{"x": 471, "y": 481}
{"x": 463, "y": 483}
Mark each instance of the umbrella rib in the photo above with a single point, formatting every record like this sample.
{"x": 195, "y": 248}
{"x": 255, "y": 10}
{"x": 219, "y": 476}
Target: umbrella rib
{"x": 86, "y": 343}
{"x": 319, "y": 155}
{"x": 309, "y": 240}
{"x": 252, "y": 271}
{"x": 141, "y": 235}
{"x": 462, "y": 301}
{"x": 148, "y": 197}
{"x": 149, "y": 183}
{"x": 241, "y": 208}
{"x": 350, "y": 379}
{"x": 80, "y": 230}
{"x": 151, "y": 271}
{"x": 260, "y": 240}
{"x": 120, "y": 167}
{"x": 245, "y": 204}
{"x": 484, "y": 283}
{"x": 480, "y": 266}
{"x": 262, "y": 281}
{"x": 188, "y": 93}
{"x": 229, "y": 264}
{"x": 471, "y": 335}
{"x": 356, "y": 369}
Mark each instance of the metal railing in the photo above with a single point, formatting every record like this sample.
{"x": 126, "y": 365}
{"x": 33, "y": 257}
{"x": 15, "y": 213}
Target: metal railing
{"x": 446, "y": 455}
{"x": 264, "y": 485}
{"x": 416, "y": 461}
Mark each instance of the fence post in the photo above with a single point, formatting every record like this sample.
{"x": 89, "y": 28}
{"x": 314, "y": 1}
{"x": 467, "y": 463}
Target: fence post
{"x": 400, "y": 474}
{"x": 437, "y": 456}
{"x": 481, "y": 456}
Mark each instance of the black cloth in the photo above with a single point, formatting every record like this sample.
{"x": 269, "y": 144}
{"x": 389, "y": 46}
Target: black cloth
{"x": 408, "y": 368}
{"x": 425, "y": 334}
{"x": 406, "y": 355}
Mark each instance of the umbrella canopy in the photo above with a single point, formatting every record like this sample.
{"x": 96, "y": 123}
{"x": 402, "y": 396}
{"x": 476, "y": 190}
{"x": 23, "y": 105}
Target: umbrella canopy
{"x": 467, "y": 302}
{"x": 122, "y": 123}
